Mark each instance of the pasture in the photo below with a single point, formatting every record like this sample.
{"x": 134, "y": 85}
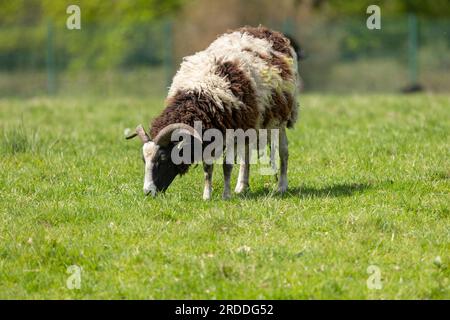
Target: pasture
{"x": 369, "y": 185}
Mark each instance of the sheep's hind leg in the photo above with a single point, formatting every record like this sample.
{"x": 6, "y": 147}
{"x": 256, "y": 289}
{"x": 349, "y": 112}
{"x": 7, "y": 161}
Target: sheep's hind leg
{"x": 284, "y": 155}
{"x": 272, "y": 152}
{"x": 227, "y": 168}
{"x": 242, "y": 184}
{"x": 208, "y": 171}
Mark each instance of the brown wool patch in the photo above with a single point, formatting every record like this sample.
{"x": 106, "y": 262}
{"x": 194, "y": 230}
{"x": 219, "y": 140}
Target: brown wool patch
{"x": 184, "y": 107}
{"x": 245, "y": 116}
{"x": 278, "y": 41}
{"x": 190, "y": 106}
{"x": 281, "y": 108}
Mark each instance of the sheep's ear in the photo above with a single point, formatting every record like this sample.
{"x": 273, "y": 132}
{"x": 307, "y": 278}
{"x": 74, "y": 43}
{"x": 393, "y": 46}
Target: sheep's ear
{"x": 140, "y": 132}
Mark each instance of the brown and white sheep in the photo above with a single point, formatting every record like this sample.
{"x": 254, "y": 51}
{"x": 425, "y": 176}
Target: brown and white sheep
{"x": 246, "y": 79}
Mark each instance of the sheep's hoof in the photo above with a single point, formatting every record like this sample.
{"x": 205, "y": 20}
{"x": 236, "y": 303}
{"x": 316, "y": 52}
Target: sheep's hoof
{"x": 241, "y": 188}
{"x": 226, "y": 196}
{"x": 207, "y": 196}
{"x": 282, "y": 188}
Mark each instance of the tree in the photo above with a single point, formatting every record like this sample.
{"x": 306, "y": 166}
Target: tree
{"x": 113, "y": 32}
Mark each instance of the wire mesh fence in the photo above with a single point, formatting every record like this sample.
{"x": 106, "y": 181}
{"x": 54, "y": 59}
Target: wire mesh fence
{"x": 343, "y": 56}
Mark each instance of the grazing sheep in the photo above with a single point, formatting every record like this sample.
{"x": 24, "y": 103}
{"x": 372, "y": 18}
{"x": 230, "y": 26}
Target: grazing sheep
{"x": 246, "y": 79}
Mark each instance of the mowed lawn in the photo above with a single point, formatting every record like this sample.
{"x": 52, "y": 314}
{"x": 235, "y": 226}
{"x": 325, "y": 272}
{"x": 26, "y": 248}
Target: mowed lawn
{"x": 369, "y": 181}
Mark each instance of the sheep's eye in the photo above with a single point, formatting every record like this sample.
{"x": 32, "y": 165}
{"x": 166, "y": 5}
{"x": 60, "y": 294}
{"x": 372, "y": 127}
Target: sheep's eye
{"x": 162, "y": 157}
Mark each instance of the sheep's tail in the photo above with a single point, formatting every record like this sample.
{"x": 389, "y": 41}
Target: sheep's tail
{"x": 296, "y": 46}
{"x": 300, "y": 54}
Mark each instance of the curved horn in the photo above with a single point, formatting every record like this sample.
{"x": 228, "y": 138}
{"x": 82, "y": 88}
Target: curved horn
{"x": 141, "y": 133}
{"x": 164, "y": 136}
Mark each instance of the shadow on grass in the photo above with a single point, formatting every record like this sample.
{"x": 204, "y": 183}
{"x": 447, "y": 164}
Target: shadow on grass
{"x": 336, "y": 190}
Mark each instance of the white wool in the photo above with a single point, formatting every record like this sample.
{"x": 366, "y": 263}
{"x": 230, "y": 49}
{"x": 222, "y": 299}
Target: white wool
{"x": 198, "y": 72}
{"x": 264, "y": 77}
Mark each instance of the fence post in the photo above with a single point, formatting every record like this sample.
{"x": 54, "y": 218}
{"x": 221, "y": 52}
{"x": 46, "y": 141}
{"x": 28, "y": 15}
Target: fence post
{"x": 51, "y": 76}
{"x": 168, "y": 52}
{"x": 412, "y": 47}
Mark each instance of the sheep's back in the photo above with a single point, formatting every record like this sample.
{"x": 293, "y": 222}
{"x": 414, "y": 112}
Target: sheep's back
{"x": 247, "y": 77}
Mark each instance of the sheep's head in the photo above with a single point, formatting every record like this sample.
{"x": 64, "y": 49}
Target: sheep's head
{"x": 160, "y": 170}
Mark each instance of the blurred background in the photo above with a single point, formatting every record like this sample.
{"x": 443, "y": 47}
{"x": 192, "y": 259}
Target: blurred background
{"x": 135, "y": 47}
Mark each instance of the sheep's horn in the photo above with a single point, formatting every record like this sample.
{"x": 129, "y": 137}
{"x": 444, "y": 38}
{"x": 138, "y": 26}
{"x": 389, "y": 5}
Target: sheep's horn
{"x": 164, "y": 136}
{"x": 141, "y": 133}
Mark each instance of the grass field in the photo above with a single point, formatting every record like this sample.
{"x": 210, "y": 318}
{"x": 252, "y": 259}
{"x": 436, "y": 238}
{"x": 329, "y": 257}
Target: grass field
{"x": 369, "y": 185}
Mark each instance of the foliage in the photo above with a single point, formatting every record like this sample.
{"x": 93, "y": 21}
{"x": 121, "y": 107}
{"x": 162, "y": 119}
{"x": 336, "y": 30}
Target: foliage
{"x": 435, "y": 8}
{"x": 113, "y": 33}
{"x": 34, "y": 12}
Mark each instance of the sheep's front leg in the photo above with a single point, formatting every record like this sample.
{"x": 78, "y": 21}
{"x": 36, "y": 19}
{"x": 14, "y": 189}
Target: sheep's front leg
{"x": 284, "y": 154}
{"x": 227, "y": 168}
{"x": 208, "y": 171}
{"x": 244, "y": 172}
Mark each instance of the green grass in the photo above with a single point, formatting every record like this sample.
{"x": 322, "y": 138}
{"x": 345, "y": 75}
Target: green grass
{"x": 369, "y": 185}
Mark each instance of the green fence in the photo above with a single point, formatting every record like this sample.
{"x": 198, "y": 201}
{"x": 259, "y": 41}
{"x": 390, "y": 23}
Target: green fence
{"x": 343, "y": 56}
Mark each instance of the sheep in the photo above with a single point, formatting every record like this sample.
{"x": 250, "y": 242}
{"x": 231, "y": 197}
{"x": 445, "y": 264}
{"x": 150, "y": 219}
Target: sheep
{"x": 246, "y": 79}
